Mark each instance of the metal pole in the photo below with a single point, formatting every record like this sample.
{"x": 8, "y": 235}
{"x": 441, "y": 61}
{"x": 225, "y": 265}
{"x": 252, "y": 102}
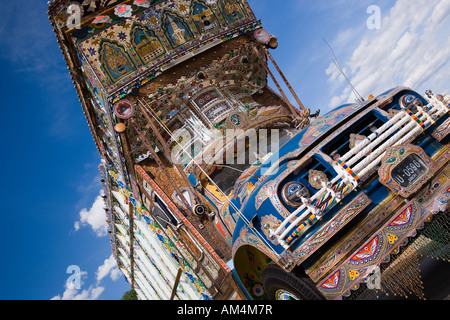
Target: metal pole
{"x": 132, "y": 263}
{"x": 166, "y": 147}
{"x": 291, "y": 107}
{"x": 285, "y": 80}
{"x": 161, "y": 165}
{"x": 177, "y": 282}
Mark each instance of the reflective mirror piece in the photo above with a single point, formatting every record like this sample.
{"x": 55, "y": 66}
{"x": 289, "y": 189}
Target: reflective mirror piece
{"x": 316, "y": 178}
{"x": 262, "y": 36}
{"x": 124, "y": 109}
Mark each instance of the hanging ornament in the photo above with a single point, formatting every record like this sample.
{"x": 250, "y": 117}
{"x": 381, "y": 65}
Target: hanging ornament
{"x": 120, "y": 127}
{"x": 401, "y": 277}
{"x": 435, "y": 237}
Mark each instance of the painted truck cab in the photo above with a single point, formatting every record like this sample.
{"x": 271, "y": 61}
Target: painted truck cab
{"x": 311, "y": 218}
{"x": 339, "y": 197}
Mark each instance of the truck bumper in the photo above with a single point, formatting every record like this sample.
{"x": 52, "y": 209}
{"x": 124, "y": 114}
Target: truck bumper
{"x": 382, "y": 234}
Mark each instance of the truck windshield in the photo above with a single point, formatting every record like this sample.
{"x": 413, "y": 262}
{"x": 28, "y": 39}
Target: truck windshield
{"x": 226, "y": 175}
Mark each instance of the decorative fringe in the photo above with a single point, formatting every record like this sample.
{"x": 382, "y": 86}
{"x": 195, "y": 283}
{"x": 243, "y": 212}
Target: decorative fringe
{"x": 435, "y": 240}
{"x": 401, "y": 275}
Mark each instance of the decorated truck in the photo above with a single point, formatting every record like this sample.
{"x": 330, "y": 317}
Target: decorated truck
{"x": 350, "y": 190}
{"x": 217, "y": 187}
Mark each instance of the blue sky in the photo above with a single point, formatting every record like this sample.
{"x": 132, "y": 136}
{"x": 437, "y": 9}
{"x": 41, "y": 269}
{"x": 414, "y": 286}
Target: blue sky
{"x": 51, "y": 211}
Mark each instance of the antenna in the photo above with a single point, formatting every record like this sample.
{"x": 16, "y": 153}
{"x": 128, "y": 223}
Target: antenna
{"x": 359, "y": 98}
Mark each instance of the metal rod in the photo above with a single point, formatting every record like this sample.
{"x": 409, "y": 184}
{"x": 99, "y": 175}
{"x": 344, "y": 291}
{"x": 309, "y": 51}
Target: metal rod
{"x": 177, "y": 282}
{"x": 166, "y": 147}
{"x": 131, "y": 231}
{"x": 285, "y": 80}
{"x": 161, "y": 165}
{"x": 286, "y": 100}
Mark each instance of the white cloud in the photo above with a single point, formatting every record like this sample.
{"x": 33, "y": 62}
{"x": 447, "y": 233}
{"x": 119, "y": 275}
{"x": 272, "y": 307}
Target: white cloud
{"x": 334, "y": 75}
{"x": 412, "y": 49}
{"x": 109, "y": 267}
{"x": 94, "y": 217}
{"x": 71, "y": 293}
{"x": 93, "y": 293}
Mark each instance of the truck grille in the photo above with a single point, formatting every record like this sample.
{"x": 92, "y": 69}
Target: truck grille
{"x": 317, "y": 164}
{"x": 341, "y": 144}
{"x": 353, "y": 164}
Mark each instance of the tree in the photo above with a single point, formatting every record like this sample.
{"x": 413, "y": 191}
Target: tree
{"x": 130, "y": 295}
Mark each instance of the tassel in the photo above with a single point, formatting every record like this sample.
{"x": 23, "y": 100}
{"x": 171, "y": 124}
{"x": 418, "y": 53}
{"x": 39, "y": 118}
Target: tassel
{"x": 437, "y": 242}
{"x": 401, "y": 276}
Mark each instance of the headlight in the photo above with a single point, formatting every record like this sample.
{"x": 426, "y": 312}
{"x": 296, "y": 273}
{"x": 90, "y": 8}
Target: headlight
{"x": 293, "y": 192}
{"x": 410, "y": 102}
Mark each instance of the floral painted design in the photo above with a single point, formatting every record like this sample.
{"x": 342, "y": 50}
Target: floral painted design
{"x": 122, "y": 36}
{"x": 102, "y": 19}
{"x": 154, "y": 21}
{"x": 142, "y": 3}
{"x": 123, "y": 11}
{"x": 253, "y": 282}
{"x": 92, "y": 51}
{"x": 183, "y": 8}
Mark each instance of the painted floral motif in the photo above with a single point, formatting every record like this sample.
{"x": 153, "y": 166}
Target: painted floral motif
{"x": 122, "y": 36}
{"x": 368, "y": 251}
{"x": 183, "y": 8}
{"x": 92, "y": 51}
{"x": 123, "y": 11}
{"x": 332, "y": 282}
{"x": 142, "y": 3}
{"x": 353, "y": 274}
{"x": 102, "y": 19}
{"x": 153, "y": 21}
{"x": 392, "y": 238}
{"x": 403, "y": 218}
